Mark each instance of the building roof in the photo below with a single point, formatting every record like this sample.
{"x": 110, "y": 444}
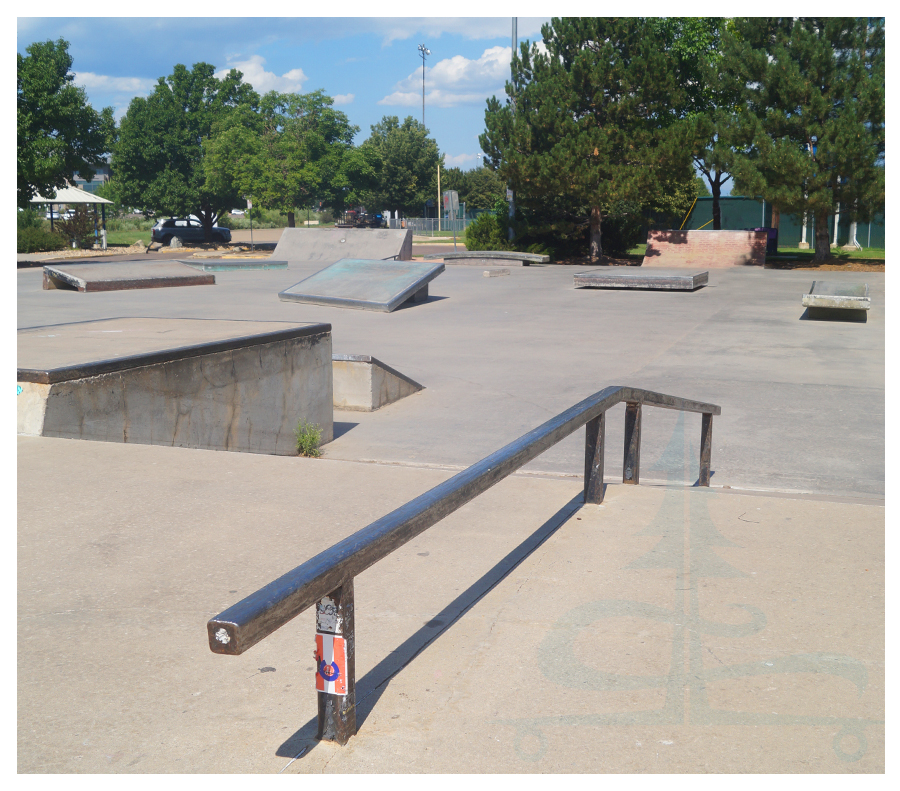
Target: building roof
{"x": 70, "y": 195}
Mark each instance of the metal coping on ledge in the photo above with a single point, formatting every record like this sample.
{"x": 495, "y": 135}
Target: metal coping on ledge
{"x": 83, "y": 370}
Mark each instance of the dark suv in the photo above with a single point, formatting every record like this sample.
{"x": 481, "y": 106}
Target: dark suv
{"x": 188, "y": 229}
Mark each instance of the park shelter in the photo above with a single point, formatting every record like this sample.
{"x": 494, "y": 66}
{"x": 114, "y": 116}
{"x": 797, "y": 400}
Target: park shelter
{"x": 69, "y": 196}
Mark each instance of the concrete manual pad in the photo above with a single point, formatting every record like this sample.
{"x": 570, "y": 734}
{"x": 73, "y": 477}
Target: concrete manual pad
{"x": 671, "y": 629}
{"x": 834, "y": 301}
{"x": 332, "y": 244}
{"x": 365, "y": 284}
{"x": 663, "y": 281}
{"x": 234, "y": 264}
{"x": 123, "y": 276}
{"x": 220, "y": 385}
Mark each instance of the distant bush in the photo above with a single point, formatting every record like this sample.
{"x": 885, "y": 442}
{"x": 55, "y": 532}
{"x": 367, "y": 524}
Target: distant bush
{"x": 489, "y": 230}
{"x": 29, "y": 218}
{"x": 79, "y": 228}
{"x": 38, "y": 240}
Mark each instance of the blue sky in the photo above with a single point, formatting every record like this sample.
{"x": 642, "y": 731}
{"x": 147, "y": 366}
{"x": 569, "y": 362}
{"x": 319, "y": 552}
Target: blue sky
{"x": 371, "y": 66}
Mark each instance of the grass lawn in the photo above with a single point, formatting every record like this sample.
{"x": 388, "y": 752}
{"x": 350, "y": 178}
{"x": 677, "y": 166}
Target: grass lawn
{"x": 126, "y": 238}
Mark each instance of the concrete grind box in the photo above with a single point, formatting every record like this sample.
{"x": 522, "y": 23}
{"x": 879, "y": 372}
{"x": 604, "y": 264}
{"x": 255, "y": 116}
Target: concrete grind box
{"x": 246, "y": 397}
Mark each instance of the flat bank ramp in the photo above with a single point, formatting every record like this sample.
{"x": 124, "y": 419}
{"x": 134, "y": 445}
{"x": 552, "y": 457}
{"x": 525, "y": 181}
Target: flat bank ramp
{"x": 333, "y": 244}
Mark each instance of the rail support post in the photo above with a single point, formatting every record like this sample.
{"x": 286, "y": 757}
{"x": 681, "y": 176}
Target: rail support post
{"x": 705, "y": 448}
{"x": 336, "y": 665}
{"x": 631, "y": 468}
{"x": 594, "y": 441}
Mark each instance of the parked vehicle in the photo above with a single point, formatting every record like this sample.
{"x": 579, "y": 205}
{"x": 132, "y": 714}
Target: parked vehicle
{"x": 188, "y": 229}
{"x": 237, "y": 212}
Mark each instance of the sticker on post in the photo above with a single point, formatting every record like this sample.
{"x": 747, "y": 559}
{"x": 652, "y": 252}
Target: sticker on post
{"x": 331, "y": 664}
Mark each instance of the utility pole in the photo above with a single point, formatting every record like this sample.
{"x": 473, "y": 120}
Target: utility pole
{"x": 515, "y": 46}
{"x": 423, "y": 51}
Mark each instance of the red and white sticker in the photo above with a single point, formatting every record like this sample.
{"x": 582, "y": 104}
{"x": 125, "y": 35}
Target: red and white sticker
{"x": 331, "y": 664}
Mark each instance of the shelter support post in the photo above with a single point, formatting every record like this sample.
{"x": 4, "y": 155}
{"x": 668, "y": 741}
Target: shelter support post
{"x": 594, "y": 441}
{"x": 631, "y": 469}
{"x": 336, "y": 665}
{"x": 705, "y": 448}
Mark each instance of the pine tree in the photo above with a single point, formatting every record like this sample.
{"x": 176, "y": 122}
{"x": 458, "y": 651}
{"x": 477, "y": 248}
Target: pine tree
{"x": 809, "y": 136}
{"x": 591, "y": 125}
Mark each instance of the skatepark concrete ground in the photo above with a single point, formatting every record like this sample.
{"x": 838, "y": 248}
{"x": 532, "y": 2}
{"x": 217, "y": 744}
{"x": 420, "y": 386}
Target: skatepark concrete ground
{"x": 673, "y": 629}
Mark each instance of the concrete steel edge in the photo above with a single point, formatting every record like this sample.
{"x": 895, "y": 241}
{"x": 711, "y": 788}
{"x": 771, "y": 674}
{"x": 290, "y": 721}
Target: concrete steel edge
{"x": 837, "y": 302}
{"x": 83, "y": 370}
{"x": 627, "y": 280}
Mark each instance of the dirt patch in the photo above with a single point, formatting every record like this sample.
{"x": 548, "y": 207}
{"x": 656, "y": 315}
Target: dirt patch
{"x": 585, "y": 260}
{"x": 860, "y": 265}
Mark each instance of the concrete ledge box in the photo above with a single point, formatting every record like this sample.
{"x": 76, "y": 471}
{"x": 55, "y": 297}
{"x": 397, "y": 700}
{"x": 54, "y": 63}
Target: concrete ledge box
{"x": 123, "y": 276}
{"x": 654, "y": 280}
{"x": 837, "y": 301}
{"x": 244, "y": 387}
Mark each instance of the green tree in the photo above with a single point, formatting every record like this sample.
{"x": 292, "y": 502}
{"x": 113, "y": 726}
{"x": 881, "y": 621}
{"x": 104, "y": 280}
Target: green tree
{"x": 695, "y": 46}
{"x": 809, "y": 136}
{"x": 408, "y": 165}
{"x": 158, "y": 160}
{"x": 58, "y": 133}
{"x": 589, "y": 126}
{"x": 288, "y": 155}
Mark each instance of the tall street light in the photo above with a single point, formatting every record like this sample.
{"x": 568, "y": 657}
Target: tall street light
{"x": 423, "y": 51}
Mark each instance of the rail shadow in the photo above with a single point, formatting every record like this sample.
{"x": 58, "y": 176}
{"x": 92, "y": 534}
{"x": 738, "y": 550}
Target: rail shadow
{"x": 372, "y": 685}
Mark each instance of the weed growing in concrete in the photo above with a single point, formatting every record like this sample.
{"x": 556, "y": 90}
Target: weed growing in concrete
{"x": 308, "y": 435}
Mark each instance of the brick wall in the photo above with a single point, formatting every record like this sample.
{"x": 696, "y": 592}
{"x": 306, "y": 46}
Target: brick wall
{"x": 705, "y": 249}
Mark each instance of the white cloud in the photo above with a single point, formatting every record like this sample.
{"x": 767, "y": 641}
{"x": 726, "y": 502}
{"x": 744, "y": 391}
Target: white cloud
{"x": 264, "y": 81}
{"x": 454, "y": 81}
{"x": 460, "y": 159}
{"x": 344, "y": 98}
{"x": 137, "y": 86}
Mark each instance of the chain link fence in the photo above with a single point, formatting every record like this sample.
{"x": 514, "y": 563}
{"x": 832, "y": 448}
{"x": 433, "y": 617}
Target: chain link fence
{"x": 428, "y": 226}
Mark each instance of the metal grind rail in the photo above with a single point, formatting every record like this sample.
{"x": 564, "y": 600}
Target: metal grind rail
{"x": 327, "y": 579}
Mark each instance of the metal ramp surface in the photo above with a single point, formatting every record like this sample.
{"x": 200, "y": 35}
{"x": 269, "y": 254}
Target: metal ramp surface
{"x": 333, "y": 244}
{"x": 365, "y": 284}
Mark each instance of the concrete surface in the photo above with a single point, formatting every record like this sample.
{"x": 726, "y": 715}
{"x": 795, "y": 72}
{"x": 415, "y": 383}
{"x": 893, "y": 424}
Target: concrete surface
{"x": 499, "y": 356}
{"x": 123, "y": 275}
{"x": 213, "y": 264}
{"x": 670, "y": 630}
{"x": 160, "y": 390}
{"x": 658, "y": 280}
{"x": 363, "y": 383}
{"x": 332, "y": 244}
{"x": 736, "y": 629}
{"x": 365, "y": 284}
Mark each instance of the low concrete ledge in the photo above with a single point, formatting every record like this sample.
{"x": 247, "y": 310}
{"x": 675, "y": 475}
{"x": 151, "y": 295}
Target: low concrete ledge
{"x": 476, "y": 257}
{"x": 839, "y": 296}
{"x": 364, "y": 384}
{"x": 123, "y": 276}
{"x": 662, "y": 281}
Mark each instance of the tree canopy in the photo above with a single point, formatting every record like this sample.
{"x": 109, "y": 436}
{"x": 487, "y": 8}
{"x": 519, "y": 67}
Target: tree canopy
{"x": 159, "y": 158}
{"x": 809, "y": 134}
{"x": 591, "y": 128}
{"x": 408, "y": 160}
{"x": 58, "y": 133}
{"x": 289, "y": 155}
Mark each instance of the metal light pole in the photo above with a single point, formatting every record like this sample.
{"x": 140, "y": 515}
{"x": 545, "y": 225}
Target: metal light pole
{"x": 515, "y": 46}
{"x": 423, "y": 51}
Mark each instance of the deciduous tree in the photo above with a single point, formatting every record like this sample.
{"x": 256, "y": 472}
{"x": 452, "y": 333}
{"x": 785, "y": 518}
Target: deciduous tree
{"x": 159, "y": 157}
{"x": 58, "y": 133}
{"x": 408, "y": 159}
